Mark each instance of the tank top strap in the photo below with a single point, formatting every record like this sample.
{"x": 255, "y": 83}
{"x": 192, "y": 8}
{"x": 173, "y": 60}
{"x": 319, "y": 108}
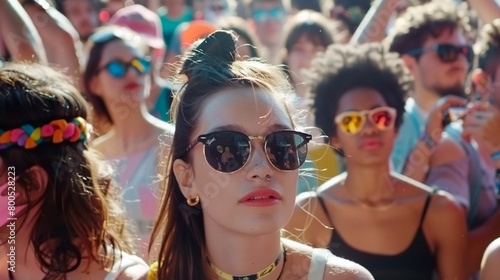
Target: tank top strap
{"x": 323, "y": 206}
{"x": 319, "y": 259}
{"x": 426, "y": 206}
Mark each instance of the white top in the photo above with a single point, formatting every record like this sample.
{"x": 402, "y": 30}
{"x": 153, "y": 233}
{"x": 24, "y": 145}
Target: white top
{"x": 122, "y": 263}
{"x": 319, "y": 259}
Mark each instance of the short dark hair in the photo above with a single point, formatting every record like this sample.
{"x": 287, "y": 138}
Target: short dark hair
{"x": 419, "y": 23}
{"x": 313, "y": 25}
{"x": 345, "y": 67}
{"x": 353, "y": 12}
{"x": 488, "y": 48}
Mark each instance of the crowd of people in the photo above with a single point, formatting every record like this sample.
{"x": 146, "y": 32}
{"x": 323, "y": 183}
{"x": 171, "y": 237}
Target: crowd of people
{"x": 249, "y": 139}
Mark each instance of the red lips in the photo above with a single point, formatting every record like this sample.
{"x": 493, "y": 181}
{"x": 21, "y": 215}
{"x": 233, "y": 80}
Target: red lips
{"x": 261, "y": 197}
{"x": 371, "y": 144}
{"x": 132, "y": 85}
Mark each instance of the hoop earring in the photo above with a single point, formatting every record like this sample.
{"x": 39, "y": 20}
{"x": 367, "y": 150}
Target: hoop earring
{"x": 193, "y": 201}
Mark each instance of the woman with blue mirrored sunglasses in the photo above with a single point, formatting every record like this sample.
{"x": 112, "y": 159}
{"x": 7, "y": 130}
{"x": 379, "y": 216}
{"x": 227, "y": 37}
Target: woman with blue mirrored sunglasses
{"x": 116, "y": 82}
{"x": 118, "y": 68}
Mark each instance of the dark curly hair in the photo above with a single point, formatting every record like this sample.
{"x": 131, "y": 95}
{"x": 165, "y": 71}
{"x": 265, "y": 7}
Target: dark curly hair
{"x": 487, "y": 48}
{"x": 421, "y": 22}
{"x": 345, "y": 67}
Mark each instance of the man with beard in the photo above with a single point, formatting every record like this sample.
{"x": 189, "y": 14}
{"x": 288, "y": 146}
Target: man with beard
{"x": 431, "y": 39}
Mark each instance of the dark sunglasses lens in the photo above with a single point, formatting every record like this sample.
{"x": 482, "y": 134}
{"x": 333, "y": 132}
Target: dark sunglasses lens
{"x": 450, "y": 53}
{"x": 116, "y": 69}
{"x": 447, "y": 53}
{"x": 382, "y": 119}
{"x": 227, "y": 151}
{"x": 286, "y": 150}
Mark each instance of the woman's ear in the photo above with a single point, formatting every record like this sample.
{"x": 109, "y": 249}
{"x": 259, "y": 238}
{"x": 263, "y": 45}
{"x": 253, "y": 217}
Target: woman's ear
{"x": 184, "y": 175}
{"x": 40, "y": 182}
{"x": 334, "y": 142}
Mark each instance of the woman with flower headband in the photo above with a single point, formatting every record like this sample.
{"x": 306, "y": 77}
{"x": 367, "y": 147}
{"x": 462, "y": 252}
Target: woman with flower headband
{"x": 226, "y": 224}
{"x": 117, "y": 85}
{"x": 393, "y": 226}
{"x": 66, "y": 223}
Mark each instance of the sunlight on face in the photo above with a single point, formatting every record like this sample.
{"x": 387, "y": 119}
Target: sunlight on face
{"x": 254, "y": 113}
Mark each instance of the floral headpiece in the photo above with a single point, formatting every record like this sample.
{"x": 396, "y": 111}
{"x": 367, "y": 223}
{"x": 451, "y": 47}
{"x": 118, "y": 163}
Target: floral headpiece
{"x": 55, "y": 132}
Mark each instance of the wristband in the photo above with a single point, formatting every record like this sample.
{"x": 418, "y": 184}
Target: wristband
{"x": 495, "y": 156}
{"x": 428, "y": 141}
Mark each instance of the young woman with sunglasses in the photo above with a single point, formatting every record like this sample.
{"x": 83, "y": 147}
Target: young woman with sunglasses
{"x": 225, "y": 223}
{"x": 117, "y": 86}
{"x": 393, "y": 226}
{"x": 58, "y": 216}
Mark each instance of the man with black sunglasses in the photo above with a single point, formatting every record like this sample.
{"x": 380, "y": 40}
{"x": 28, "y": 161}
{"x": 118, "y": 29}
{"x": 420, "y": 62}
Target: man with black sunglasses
{"x": 432, "y": 40}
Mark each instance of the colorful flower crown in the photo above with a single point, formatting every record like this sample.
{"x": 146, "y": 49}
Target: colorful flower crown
{"x": 55, "y": 132}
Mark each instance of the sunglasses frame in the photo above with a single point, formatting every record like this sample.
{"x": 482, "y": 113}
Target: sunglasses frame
{"x": 144, "y": 61}
{"x": 458, "y": 49}
{"x": 276, "y": 13}
{"x": 204, "y": 138}
{"x": 363, "y": 114}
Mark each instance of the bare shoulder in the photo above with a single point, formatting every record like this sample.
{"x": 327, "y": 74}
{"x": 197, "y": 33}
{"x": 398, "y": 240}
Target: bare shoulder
{"x": 300, "y": 256}
{"x": 135, "y": 272}
{"x": 443, "y": 203}
{"x": 299, "y": 225}
{"x": 342, "y": 269}
{"x": 309, "y": 223}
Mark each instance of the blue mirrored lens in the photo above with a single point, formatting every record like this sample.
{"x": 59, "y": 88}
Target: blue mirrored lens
{"x": 117, "y": 69}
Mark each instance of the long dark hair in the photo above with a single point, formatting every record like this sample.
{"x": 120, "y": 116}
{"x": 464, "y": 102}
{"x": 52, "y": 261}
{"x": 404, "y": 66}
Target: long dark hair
{"x": 209, "y": 67}
{"x": 78, "y": 218}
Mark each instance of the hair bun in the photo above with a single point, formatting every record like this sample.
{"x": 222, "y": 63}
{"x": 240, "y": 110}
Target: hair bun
{"x": 221, "y": 45}
{"x": 216, "y": 50}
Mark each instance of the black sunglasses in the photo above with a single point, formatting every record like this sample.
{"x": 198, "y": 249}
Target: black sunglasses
{"x": 228, "y": 151}
{"x": 447, "y": 53}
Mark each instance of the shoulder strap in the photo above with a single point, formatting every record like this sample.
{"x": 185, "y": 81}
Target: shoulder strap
{"x": 426, "y": 205}
{"x": 319, "y": 258}
{"x": 475, "y": 174}
{"x": 323, "y": 206}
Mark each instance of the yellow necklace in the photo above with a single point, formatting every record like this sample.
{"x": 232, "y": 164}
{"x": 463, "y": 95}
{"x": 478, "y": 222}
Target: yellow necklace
{"x": 266, "y": 271}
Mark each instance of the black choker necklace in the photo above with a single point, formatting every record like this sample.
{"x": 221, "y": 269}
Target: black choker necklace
{"x": 266, "y": 271}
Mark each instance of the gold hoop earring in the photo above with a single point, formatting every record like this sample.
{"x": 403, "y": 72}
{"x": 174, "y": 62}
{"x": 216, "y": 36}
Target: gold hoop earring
{"x": 193, "y": 201}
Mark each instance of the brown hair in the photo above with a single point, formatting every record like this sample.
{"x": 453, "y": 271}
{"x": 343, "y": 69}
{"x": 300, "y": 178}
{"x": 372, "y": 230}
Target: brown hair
{"x": 78, "y": 217}
{"x": 419, "y": 23}
{"x": 209, "y": 66}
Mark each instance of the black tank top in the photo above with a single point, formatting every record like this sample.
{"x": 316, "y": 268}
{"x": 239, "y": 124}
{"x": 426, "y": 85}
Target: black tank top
{"x": 417, "y": 262}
